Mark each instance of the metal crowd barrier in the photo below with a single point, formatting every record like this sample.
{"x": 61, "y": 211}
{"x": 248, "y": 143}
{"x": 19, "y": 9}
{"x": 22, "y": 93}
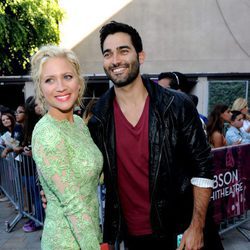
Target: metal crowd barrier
{"x": 18, "y": 181}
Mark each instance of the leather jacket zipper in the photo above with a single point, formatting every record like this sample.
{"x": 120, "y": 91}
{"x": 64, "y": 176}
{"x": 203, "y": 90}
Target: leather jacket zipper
{"x": 158, "y": 165}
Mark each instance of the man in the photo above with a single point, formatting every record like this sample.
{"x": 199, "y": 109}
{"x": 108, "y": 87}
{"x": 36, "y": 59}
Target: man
{"x": 157, "y": 163}
{"x": 175, "y": 80}
{"x": 165, "y": 79}
{"x": 178, "y": 81}
{"x": 234, "y": 134}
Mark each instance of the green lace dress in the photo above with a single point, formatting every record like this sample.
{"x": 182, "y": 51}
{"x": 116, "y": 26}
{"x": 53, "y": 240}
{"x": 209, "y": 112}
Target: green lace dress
{"x": 68, "y": 164}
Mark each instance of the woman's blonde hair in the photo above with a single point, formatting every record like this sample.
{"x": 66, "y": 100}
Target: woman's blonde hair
{"x": 239, "y": 104}
{"x": 42, "y": 56}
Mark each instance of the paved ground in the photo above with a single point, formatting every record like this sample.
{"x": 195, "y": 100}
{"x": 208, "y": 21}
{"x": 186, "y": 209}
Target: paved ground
{"x": 17, "y": 239}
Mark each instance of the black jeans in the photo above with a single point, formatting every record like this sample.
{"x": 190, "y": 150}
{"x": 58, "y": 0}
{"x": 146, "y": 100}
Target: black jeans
{"x": 212, "y": 241}
{"x": 149, "y": 242}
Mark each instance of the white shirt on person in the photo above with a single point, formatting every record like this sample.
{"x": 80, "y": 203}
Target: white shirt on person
{"x": 235, "y": 135}
{"x": 246, "y": 125}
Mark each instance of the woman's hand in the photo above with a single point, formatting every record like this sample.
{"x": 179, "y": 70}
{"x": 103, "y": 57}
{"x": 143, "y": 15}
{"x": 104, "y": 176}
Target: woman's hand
{"x": 43, "y": 198}
{"x": 27, "y": 151}
{"x": 5, "y": 152}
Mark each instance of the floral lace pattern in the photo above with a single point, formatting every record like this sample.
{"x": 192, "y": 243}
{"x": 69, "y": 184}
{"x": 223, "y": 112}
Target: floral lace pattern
{"x": 69, "y": 164}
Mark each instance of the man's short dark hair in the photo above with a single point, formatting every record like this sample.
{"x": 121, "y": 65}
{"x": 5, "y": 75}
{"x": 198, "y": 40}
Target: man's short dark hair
{"x": 235, "y": 113}
{"x": 165, "y": 75}
{"x": 178, "y": 81}
{"x": 114, "y": 27}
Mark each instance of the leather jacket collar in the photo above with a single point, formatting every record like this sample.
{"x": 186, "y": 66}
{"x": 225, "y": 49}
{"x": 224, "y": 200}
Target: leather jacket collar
{"x": 105, "y": 105}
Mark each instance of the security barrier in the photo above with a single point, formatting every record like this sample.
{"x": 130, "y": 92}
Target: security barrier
{"x": 18, "y": 181}
{"x": 231, "y": 192}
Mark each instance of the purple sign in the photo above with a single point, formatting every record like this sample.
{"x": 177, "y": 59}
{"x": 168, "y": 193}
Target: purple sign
{"x": 231, "y": 193}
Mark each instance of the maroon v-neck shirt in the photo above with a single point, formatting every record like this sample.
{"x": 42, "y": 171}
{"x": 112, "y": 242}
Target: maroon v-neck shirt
{"x": 133, "y": 169}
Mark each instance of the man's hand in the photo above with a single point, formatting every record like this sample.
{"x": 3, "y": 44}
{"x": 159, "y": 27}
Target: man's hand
{"x": 43, "y": 198}
{"x": 192, "y": 239}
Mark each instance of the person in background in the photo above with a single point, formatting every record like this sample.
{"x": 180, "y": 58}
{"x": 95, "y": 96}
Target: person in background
{"x": 17, "y": 133}
{"x": 215, "y": 126}
{"x": 178, "y": 81}
{"x": 234, "y": 134}
{"x": 3, "y": 110}
{"x": 203, "y": 118}
{"x": 165, "y": 79}
{"x": 88, "y": 110}
{"x": 241, "y": 105}
{"x": 7, "y": 124}
{"x": 157, "y": 162}
{"x": 28, "y": 170}
{"x": 67, "y": 160}
{"x": 175, "y": 80}
{"x": 33, "y": 115}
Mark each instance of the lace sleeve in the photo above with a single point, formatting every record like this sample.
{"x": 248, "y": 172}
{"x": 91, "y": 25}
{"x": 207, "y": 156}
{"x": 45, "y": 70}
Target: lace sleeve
{"x": 54, "y": 165}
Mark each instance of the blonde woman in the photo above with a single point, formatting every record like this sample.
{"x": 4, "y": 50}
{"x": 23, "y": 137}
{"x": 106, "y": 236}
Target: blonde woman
{"x": 240, "y": 104}
{"x": 68, "y": 161}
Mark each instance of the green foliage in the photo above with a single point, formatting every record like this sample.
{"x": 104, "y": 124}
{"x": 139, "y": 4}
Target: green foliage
{"x": 225, "y": 92}
{"x": 25, "y": 25}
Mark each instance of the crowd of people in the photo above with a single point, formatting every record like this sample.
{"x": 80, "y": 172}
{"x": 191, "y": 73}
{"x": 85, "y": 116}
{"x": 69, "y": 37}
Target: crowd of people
{"x": 237, "y": 123}
{"x": 224, "y": 125}
{"x": 134, "y": 135}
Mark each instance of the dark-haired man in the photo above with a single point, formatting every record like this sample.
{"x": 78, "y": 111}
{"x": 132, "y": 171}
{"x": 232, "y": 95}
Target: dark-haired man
{"x": 157, "y": 163}
{"x": 176, "y": 80}
{"x": 235, "y": 135}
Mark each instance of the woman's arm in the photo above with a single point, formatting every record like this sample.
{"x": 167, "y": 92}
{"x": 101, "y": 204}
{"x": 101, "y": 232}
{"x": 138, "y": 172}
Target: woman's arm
{"x": 218, "y": 140}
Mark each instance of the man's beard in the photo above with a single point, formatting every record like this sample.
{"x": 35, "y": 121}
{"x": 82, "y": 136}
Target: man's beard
{"x": 126, "y": 80}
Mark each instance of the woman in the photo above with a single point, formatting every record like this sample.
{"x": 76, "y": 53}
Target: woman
{"x": 215, "y": 125}
{"x": 240, "y": 104}
{"x": 68, "y": 161}
{"x": 16, "y": 132}
{"x": 8, "y": 123}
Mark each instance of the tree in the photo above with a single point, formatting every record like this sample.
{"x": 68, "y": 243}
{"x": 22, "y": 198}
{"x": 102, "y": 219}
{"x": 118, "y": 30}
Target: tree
{"x": 25, "y": 25}
{"x": 225, "y": 92}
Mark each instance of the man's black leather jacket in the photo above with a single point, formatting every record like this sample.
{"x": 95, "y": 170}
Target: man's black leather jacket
{"x": 178, "y": 151}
